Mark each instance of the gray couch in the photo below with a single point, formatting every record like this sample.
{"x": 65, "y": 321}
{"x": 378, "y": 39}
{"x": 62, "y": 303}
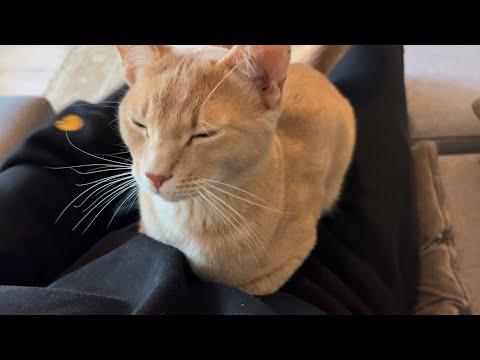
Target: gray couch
{"x": 19, "y": 115}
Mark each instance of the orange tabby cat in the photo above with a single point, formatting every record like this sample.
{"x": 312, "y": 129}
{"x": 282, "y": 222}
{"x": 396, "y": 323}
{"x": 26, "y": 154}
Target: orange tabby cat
{"x": 237, "y": 155}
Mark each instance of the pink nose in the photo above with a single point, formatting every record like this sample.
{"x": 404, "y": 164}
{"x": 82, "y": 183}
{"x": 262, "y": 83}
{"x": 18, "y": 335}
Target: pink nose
{"x": 157, "y": 180}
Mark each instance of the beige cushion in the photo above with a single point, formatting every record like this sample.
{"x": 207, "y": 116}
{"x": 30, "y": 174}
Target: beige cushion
{"x": 442, "y": 82}
{"x": 476, "y": 108}
{"x": 461, "y": 178}
{"x": 441, "y": 289}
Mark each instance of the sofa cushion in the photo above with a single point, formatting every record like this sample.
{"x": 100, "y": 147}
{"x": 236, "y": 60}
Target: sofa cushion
{"x": 476, "y": 107}
{"x": 441, "y": 289}
{"x": 442, "y": 82}
{"x": 19, "y": 115}
{"x": 461, "y": 178}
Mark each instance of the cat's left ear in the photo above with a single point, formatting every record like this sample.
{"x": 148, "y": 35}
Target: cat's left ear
{"x": 265, "y": 65}
{"x": 134, "y": 57}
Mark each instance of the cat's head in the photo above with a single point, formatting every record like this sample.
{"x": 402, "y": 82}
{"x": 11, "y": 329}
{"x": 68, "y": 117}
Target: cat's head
{"x": 193, "y": 117}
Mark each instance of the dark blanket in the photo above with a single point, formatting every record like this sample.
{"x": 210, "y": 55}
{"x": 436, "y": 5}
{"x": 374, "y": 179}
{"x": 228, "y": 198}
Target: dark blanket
{"x": 365, "y": 261}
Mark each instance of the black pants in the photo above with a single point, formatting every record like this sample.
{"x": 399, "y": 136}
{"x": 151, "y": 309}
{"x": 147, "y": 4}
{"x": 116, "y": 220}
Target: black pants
{"x": 365, "y": 261}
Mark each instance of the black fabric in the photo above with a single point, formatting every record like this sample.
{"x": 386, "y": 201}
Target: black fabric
{"x": 365, "y": 261}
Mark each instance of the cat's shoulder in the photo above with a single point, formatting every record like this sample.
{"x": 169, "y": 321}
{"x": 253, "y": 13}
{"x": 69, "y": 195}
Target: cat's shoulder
{"x": 310, "y": 90}
{"x": 301, "y": 72}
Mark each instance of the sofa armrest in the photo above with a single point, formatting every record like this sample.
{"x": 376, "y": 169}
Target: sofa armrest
{"x": 19, "y": 115}
{"x": 448, "y": 145}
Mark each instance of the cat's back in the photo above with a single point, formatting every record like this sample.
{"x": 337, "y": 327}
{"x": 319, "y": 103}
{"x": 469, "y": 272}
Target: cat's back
{"x": 309, "y": 94}
{"x": 313, "y": 109}
{"x": 317, "y": 136}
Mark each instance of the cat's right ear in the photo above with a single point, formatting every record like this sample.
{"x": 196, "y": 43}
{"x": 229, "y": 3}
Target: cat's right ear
{"x": 134, "y": 57}
{"x": 266, "y": 66}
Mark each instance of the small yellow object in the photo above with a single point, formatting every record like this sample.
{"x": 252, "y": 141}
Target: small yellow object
{"x": 69, "y": 123}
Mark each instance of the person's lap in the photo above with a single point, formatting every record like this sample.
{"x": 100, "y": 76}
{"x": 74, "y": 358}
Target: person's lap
{"x": 365, "y": 260}
{"x": 367, "y": 250}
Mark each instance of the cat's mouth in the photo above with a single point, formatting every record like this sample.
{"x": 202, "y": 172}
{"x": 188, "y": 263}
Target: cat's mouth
{"x": 173, "y": 196}
{"x": 169, "y": 193}
{"x": 172, "y": 190}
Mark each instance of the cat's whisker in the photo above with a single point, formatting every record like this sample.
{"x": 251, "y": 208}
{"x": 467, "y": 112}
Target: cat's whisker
{"x": 103, "y": 102}
{"x": 101, "y": 197}
{"x": 252, "y": 229}
{"x": 99, "y": 170}
{"x": 120, "y": 158}
{"x": 243, "y": 199}
{"x": 223, "y": 218}
{"x": 117, "y": 153}
{"x": 220, "y": 215}
{"x": 108, "y": 184}
{"x": 75, "y": 199}
{"x": 249, "y": 230}
{"x": 203, "y": 127}
{"x": 223, "y": 214}
{"x": 87, "y": 105}
{"x": 132, "y": 193}
{"x": 123, "y": 146}
{"x": 112, "y": 199}
{"x": 82, "y": 166}
{"x": 107, "y": 104}
{"x": 244, "y": 236}
{"x": 236, "y": 188}
{"x": 229, "y": 217}
{"x": 105, "y": 179}
{"x": 134, "y": 201}
{"x": 222, "y": 221}
{"x": 206, "y": 123}
{"x": 92, "y": 155}
{"x": 116, "y": 120}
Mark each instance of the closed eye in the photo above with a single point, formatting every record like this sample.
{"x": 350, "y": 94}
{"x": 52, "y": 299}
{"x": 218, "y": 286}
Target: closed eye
{"x": 204, "y": 135}
{"x": 136, "y": 123}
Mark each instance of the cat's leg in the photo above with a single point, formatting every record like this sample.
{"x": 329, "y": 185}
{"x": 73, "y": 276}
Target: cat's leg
{"x": 335, "y": 180}
{"x": 273, "y": 281}
{"x": 289, "y": 254}
{"x": 343, "y": 153}
{"x": 332, "y": 196}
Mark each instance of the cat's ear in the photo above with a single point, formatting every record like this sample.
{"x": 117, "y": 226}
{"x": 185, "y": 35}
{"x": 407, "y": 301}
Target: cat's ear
{"x": 136, "y": 56}
{"x": 265, "y": 65}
